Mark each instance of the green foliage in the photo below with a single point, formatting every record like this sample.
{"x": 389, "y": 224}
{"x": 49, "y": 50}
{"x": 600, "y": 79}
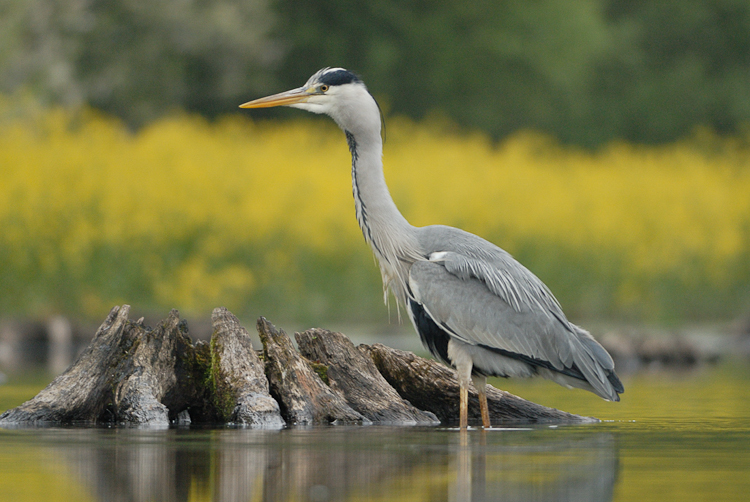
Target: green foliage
{"x": 138, "y": 60}
{"x": 497, "y": 66}
{"x": 676, "y": 64}
{"x": 585, "y": 72}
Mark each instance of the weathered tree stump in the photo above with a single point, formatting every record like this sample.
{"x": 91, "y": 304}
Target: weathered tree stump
{"x": 300, "y": 390}
{"x": 133, "y": 374}
{"x": 127, "y": 374}
{"x": 240, "y": 387}
{"x": 352, "y": 375}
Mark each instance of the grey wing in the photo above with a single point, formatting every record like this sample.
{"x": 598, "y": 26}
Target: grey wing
{"x": 482, "y": 297}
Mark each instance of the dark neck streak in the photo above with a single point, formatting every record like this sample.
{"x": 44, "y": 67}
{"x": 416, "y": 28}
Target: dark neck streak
{"x": 359, "y": 204}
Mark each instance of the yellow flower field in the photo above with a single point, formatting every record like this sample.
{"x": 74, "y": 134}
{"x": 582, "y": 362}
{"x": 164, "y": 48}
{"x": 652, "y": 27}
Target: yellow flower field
{"x": 258, "y": 216}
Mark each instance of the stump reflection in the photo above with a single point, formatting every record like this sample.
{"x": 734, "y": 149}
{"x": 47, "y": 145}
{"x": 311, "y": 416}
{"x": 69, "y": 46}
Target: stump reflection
{"x": 343, "y": 463}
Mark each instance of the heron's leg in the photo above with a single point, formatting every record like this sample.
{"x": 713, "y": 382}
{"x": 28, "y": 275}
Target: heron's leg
{"x": 463, "y": 363}
{"x": 464, "y": 407}
{"x": 480, "y": 382}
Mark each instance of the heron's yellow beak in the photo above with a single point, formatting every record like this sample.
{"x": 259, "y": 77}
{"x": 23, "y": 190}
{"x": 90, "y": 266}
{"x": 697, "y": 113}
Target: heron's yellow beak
{"x": 299, "y": 95}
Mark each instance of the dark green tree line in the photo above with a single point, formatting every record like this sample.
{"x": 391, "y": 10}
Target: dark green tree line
{"x": 586, "y": 71}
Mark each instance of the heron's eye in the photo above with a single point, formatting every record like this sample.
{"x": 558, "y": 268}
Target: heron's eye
{"x": 323, "y": 88}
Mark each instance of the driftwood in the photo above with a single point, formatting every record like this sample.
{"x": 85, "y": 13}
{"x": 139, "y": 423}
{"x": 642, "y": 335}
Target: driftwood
{"x": 127, "y": 374}
{"x": 238, "y": 376}
{"x": 133, "y": 374}
{"x": 299, "y": 388}
{"x": 352, "y": 375}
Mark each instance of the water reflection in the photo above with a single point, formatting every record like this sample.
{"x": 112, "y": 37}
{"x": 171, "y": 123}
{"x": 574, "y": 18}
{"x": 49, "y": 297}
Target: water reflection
{"x": 551, "y": 469}
{"x": 318, "y": 464}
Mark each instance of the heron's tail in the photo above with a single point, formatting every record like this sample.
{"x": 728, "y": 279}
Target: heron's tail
{"x": 599, "y": 365}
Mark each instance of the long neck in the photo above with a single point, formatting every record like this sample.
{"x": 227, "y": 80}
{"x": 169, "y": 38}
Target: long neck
{"x": 391, "y": 237}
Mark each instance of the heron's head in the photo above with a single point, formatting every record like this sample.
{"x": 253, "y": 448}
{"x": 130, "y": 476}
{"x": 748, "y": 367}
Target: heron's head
{"x": 336, "y": 92}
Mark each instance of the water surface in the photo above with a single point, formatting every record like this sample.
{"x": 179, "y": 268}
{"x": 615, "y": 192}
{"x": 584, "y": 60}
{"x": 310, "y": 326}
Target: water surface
{"x": 675, "y": 436}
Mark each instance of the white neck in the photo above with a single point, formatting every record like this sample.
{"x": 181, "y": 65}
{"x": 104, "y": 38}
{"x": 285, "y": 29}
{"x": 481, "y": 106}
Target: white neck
{"x": 391, "y": 237}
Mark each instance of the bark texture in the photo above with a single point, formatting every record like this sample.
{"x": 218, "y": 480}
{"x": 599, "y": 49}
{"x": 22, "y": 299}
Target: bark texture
{"x": 238, "y": 376}
{"x": 129, "y": 373}
{"x": 353, "y": 376}
{"x": 297, "y": 385}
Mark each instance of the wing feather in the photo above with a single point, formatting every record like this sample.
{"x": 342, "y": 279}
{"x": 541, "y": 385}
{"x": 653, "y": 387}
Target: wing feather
{"x": 482, "y": 296}
{"x": 480, "y": 317}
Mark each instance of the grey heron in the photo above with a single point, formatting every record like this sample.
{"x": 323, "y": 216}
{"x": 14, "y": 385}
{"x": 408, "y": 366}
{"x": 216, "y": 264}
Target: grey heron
{"x": 473, "y": 305}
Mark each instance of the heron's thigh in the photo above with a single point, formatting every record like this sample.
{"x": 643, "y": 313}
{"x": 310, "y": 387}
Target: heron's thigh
{"x": 461, "y": 360}
{"x": 480, "y": 381}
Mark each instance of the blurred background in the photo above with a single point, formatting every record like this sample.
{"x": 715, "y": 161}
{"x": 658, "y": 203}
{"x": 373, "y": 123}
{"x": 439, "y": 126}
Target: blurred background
{"x": 604, "y": 143}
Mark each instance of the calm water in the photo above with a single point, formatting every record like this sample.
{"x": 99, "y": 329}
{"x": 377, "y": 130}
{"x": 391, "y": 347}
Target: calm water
{"x": 674, "y": 437}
